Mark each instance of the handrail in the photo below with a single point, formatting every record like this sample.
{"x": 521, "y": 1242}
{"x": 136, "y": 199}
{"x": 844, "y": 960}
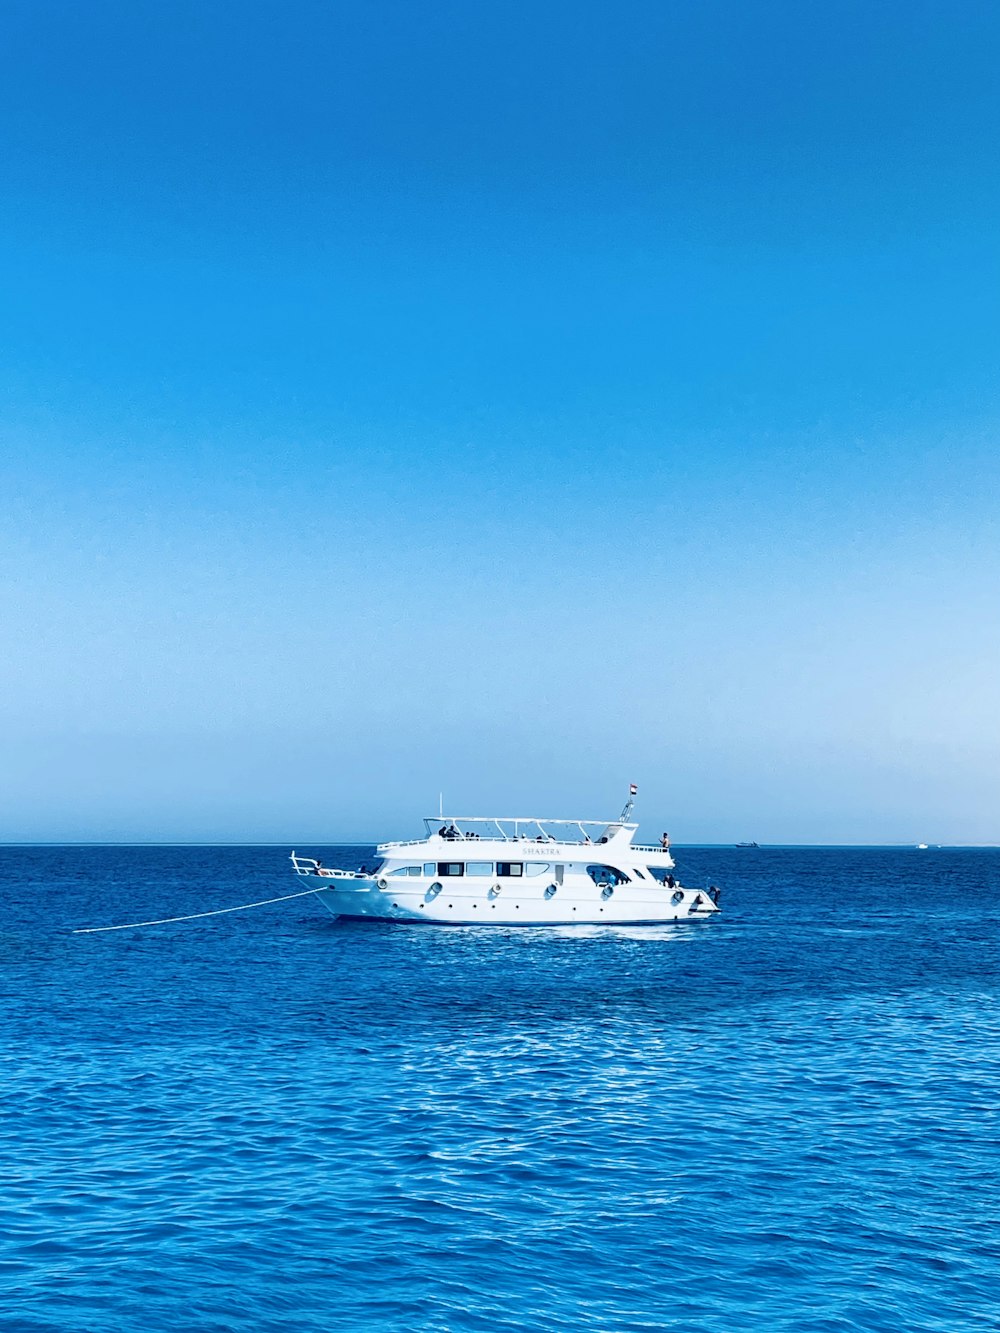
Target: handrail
{"x": 522, "y": 838}
{"x": 477, "y": 840}
{"x": 308, "y": 865}
{"x": 525, "y": 819}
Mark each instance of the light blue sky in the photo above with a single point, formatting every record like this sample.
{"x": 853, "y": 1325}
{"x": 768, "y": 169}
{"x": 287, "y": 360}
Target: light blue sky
{"x": 517, "y": 400}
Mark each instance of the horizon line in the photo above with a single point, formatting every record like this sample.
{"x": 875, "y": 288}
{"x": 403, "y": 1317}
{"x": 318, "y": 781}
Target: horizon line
{"x": 764, "y": 846}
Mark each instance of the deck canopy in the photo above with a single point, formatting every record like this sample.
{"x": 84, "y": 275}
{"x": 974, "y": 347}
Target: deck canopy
{"x": 520, "y": 828}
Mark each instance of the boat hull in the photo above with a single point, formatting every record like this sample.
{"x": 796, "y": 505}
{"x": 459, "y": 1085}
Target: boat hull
{"x": 364, "y": 900}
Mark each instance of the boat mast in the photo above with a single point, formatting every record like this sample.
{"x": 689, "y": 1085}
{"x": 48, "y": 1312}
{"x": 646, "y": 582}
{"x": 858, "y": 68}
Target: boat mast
{"x": 627, "y": 810}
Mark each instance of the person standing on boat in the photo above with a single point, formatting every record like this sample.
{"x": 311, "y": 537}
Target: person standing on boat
{"x": 665, "y": 842}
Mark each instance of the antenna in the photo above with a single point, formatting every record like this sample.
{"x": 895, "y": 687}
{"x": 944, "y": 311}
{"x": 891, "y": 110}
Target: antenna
{"x": 440, "y": 805}
{"x": 633, "y": 791}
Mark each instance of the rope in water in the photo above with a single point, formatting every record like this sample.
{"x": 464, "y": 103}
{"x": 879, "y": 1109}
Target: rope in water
{"x": 168, "y": 920}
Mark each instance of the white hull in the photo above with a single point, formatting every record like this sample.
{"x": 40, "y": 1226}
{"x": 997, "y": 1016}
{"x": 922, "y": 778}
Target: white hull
{"x": 464, "y": 903}
{"x": 485, "y": 871}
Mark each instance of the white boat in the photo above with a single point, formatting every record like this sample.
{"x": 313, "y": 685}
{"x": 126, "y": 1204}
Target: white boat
{"x": 479, "y": 870}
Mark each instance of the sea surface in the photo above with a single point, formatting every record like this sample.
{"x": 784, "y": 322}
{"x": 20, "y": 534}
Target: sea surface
{"x": 783, "y": 1120}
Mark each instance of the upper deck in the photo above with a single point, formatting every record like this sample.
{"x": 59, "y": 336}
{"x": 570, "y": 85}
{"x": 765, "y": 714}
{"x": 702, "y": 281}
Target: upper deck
{"x": 572, "y": 834}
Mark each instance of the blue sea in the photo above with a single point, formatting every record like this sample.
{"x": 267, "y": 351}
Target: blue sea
{"x": 786, "y": 1120}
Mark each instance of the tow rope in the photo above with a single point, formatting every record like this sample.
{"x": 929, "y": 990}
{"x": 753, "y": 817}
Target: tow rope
{"x": 194, "y": 916}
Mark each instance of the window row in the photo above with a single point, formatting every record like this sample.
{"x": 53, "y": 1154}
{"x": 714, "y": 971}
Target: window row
{"x": 600, "y": 874}
{"x": 485, "y": 869}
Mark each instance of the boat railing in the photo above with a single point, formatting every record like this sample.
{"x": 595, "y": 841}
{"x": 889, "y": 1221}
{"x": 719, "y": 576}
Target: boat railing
{"x": 476, "y": 838}
{"x": 308, "y": 865}
{"x": 466, "y": 837}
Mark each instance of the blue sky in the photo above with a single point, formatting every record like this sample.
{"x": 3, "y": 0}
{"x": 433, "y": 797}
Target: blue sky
{"x": 514, "y": 399}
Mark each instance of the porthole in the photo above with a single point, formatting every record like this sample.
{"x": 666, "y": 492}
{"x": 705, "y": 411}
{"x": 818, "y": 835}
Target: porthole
{"x": 494, "y": 892}
{"x": 606, "y": 892}
{"x": 432, "y": 892}
{"x": 382, "y": 883}
{"x": 678, "y": 897}
{"x": 551, "y": 890}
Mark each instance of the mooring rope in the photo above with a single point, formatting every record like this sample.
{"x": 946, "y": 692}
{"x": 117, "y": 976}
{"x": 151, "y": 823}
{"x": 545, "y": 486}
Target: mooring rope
{"x": 221, "y": 911}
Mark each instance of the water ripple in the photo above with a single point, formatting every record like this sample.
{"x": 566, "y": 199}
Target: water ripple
{"x": 787, "y": 1120}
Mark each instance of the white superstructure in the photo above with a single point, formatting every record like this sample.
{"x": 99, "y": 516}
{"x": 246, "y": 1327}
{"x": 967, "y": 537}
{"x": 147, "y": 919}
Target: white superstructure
{"x": 477, "y": 870}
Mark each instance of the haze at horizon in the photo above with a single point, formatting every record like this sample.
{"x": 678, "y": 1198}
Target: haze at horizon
{"x": 515, "y": 403}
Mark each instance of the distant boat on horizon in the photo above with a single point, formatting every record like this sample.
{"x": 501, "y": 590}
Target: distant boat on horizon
{"x": 748, "y": 844}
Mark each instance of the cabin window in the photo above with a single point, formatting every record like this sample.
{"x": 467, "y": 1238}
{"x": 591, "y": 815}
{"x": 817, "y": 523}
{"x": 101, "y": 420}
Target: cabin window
{"x": 405, "y": 870}
{"x": 511, "y": 869}
{"x": 607, "y": 875}
{"x": 430, "y": 869}
{"x": 479, "y": 867}
{"x": 451, "y": 868}
{"x": 536, "y": 867}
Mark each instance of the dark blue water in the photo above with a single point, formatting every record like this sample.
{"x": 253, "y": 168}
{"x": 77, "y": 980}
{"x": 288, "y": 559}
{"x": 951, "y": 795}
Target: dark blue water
{"x": 783, "y": 1120}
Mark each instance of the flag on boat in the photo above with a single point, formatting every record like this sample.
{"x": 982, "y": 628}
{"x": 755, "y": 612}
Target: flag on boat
{"x": 633, "y": 789}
